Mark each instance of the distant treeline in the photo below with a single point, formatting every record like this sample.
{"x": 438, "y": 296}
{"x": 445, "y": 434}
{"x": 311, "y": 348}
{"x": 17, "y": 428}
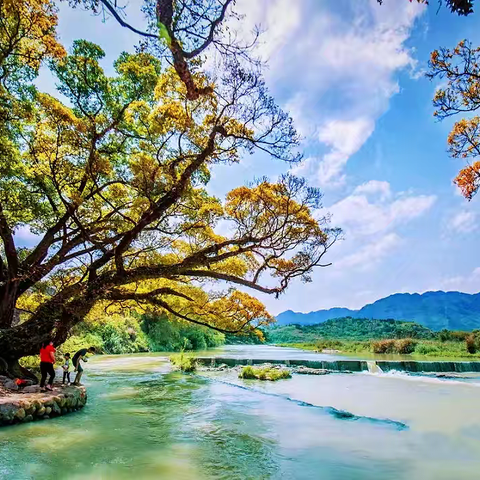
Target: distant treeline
{"x": 349, "y": 328}
{"x": 376, "y": 336}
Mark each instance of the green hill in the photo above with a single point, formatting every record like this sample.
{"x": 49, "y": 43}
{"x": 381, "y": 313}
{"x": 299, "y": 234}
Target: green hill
{"x": 348, "y": 328}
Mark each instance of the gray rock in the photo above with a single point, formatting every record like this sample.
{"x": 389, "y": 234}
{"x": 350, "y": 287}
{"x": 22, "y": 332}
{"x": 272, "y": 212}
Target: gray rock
{"x": 20, "y": 414}
{"x": 11, "y": 385}
{"x": 7, "y": 412}
{"x": 31, "y": 389}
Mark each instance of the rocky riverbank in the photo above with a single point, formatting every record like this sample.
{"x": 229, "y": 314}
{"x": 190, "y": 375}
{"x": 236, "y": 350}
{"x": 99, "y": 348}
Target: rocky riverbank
{"x": 29, "y": 404}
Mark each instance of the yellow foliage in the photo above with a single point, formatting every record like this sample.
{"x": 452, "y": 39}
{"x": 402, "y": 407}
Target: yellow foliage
{"x": 468, "y": 180}
{"x": 30, "y": 26}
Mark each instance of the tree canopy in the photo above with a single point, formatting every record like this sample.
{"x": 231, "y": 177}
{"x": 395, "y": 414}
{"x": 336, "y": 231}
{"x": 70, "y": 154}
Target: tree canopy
{"x": 460, "y": 68}
{"x": 111, "y": 175}
{"x": 460, "y": 7}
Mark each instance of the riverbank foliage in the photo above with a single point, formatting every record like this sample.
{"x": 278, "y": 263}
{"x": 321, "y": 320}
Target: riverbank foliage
{"x": 365, "y": 336}
{"x": 265, "y": 373}
{"x": 184, "y": 362}
{"x": 129, "y": 333}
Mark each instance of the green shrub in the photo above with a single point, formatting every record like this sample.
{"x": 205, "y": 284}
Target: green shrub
{"x": 76, "y": 342}
{"x": 169, "y": 335}
{"x": 383, "y": 346}
{"x": 32, "y": 363}
{"x": 266, "y": 373}
{"x": 185, "y": 363}
{"x": 405, "y": 346}
{"x": 471, "y": 343}
{"x": 326, "y": 344}
{"x": 426, "y": 349}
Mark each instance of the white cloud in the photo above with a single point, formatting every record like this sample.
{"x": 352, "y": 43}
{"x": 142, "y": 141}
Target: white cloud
{"x": 374, "y": 187}
{"x": 344, "y": 137}
{"x": 371, "y": 254}
{"x": 340, "y": 66}
{"x": 362, "y": 213}
{"x": 469, "y": 283}
{"x": 464, "y": 222}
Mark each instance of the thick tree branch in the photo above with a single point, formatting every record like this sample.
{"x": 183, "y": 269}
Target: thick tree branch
{"x": 160, "y": 207}
{"x": 122, "y": 22}
{"x": 9, "y": 245}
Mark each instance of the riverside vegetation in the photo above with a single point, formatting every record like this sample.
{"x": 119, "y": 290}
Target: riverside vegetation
{"x": 350, "y": 335}
{"x": 263, "y": 373}
{"x": 130, "y": 333}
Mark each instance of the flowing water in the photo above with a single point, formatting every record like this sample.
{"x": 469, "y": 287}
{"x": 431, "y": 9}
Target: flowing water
{"x": 143, "y": 421}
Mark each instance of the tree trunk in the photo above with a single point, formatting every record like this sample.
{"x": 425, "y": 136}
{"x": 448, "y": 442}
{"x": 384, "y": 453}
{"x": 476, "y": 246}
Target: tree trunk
{"x": 8, "y": 299}
{"x": 12, "y": 369}
{"x": 52, "y": 322}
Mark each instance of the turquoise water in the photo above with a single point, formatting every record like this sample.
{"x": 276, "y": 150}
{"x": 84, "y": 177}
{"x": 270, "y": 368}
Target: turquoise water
{"x": 144, "y": 422}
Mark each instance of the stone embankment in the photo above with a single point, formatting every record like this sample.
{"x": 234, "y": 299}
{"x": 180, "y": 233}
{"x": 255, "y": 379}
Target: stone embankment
{"x": 29, "y": 404}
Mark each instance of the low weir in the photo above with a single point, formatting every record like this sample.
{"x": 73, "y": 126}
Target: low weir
{"x": 353, "y": 365}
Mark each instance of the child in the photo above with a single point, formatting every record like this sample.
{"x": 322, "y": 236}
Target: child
{"x": 66, "y": 369}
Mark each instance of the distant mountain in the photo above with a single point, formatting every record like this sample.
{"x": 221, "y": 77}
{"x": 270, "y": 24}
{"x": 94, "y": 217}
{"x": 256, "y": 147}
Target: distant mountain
{"x": 435, "y": 310}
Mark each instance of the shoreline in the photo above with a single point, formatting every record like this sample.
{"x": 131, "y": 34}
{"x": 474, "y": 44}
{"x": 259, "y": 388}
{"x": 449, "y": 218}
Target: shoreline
{"x": 369, "y": 355}
{"x": 23, "y": 407}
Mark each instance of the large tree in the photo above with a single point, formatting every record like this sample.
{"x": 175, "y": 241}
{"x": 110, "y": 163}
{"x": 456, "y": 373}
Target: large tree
{"x": 111, "y": 177}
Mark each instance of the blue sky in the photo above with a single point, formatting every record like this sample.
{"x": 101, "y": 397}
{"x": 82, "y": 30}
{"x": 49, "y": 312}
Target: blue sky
{"x": 351, "y": 75}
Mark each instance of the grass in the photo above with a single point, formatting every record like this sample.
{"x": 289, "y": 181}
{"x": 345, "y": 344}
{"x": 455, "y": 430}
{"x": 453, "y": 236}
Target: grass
{"x": 266, "y": 373}
{"x": 424, "y": 348}
{"x": 185, "y": 363}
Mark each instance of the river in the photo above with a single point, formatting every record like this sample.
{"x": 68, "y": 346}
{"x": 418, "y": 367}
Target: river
{"x": 143, "y": 421}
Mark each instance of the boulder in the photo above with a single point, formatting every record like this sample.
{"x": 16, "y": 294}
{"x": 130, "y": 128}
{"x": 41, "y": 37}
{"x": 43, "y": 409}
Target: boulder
{"x": 48, "y": 410}
{"x": 41, "y": 411}
{"x": 7, "y": 412}
{"x": 20, "y": 414}
{"x": 31, "y": 389}
{"x": 11, "y": 385}
{"x": 29, "y": 408}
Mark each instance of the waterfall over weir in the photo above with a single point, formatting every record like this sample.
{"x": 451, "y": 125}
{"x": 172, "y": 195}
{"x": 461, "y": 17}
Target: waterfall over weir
{"x": 378, "y": 366}
{"x": 444, "y": 367}
{"x": 373, "y": 367}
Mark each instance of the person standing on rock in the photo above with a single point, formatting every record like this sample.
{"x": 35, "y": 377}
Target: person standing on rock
{"x": 77, "y": 358}
{"x": 47, "y": 360}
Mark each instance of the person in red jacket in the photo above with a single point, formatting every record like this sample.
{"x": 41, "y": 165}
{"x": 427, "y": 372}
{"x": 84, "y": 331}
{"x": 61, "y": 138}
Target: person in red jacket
{"x": 47, "y": 360}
